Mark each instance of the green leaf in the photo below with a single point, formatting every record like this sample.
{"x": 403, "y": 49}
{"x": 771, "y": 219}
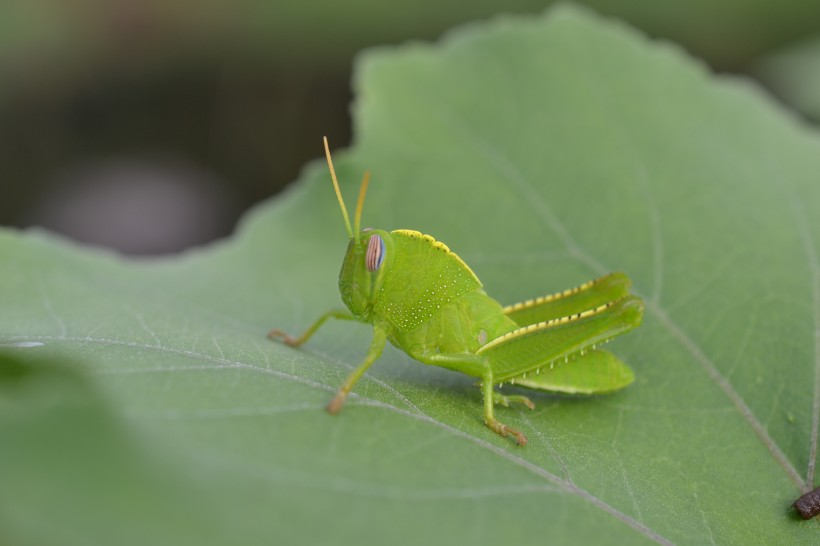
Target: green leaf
{"x": 69, "y": 468}
{"x": 545, "y": 152}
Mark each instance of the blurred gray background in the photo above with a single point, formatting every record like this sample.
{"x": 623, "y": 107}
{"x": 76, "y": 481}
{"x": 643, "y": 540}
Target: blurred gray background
{"x": 149, "y": 126}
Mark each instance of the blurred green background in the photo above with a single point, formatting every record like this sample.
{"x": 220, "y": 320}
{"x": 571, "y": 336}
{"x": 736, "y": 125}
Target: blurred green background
{"x": 150, "y": 126}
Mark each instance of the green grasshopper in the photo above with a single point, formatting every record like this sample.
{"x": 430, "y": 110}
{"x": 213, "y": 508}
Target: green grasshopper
{"x": 426, "y": 301}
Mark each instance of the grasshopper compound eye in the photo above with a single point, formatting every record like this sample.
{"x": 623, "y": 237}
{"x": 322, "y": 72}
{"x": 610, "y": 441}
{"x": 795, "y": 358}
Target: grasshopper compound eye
{"x": 375, "y": 253}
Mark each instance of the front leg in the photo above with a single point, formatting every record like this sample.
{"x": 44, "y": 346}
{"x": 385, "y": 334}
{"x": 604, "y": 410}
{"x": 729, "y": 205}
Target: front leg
{"x": 297, "y": 341}
{"x": 373, "y": 353}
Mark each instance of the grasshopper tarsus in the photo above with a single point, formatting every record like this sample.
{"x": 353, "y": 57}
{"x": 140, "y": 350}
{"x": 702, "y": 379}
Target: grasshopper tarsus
{"x": 506, "y": 400}
{"x": 335, "y": 405}
{"x": 283, "y": 337}
{"x": 503, "y": 430}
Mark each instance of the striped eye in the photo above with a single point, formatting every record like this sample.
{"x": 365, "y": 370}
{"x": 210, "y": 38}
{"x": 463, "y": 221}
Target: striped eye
{"x": 375, "y": 253}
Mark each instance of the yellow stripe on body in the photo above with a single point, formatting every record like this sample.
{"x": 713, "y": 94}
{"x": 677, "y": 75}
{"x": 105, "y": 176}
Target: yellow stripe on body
{"x": 552, "y": 297}
{"x": 545, "y": 325}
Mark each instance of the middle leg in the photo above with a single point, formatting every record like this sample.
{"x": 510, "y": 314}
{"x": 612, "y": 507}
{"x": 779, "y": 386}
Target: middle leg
{"x": 478, "y": 366}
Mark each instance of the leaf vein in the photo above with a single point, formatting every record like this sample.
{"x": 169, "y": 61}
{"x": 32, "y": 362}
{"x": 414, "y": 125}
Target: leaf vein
{"x": 534, "y": 469}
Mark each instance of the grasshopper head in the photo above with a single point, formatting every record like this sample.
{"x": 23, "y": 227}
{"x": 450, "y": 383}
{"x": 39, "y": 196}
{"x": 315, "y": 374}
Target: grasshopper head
{"x": 363, "y": 270}
{"x": 367, "y": 255}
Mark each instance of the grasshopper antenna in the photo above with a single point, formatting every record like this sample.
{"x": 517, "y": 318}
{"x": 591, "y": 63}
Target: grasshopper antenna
{"x": 357, "y": 219}
{"x": 339, "y": 192}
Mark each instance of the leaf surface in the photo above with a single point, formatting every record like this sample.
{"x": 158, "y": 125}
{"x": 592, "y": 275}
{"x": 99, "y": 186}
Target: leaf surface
{"x": 544, "y": 152}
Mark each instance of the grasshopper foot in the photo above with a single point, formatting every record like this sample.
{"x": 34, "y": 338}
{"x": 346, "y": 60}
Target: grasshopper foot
{"x": 500, "y": 428}
{"x": 284, "y": 338}
{"x": 335, "y": 405}
{"x": 507, "y": 400}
